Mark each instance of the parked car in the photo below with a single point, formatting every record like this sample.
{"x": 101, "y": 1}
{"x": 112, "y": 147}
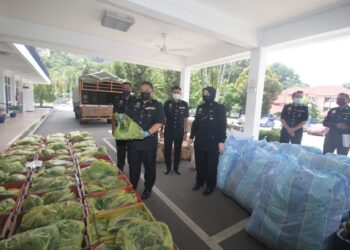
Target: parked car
{"x": 267, "y": 122}
{"x": 317, "y": 129}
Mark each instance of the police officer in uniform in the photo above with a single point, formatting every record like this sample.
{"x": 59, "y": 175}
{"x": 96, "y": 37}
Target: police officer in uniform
{"x": 338, "y": 122}
{"x": 175, "y": 129}
{"x": 293, "y": 118}
{"x": 209, "y": 132}
{"x": 149, "y": 114}
{"x": 119, "y": 107}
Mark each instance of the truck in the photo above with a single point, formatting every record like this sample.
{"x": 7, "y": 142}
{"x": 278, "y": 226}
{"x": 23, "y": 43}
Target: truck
{"x": 94, "y": 95}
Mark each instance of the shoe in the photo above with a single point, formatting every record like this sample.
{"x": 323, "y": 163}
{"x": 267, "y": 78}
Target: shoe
{"x": 196, "y": 187}
{"x": 208, "y": 191}
{"x": 146, "y": 194}
{"x": 166, "y": 171}
{"x": 177, "y": 172}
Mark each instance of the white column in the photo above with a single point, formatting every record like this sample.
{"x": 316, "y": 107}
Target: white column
{"x": 185, "y": 83}
{"x": 255, "y": 92}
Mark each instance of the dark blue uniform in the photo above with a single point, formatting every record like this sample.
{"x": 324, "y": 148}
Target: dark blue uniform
{"x": 175, "y": 113}
{"x": 334, "y": 138}
{"x": 293, "y": 114}
{"x": 208, "y": 129}
{"x": 144, "y": 151}
{"x": 120, "y": 106}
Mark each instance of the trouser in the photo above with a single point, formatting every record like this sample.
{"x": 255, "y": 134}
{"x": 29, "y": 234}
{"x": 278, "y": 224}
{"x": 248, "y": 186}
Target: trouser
{"x": 286, "y": 137}
{"x": 334, "y": 142}
{"x": 122, "y": 151}
{"x": 171, "y": 138}
{"x": 148, "y": 158}
{"x": 206, "y": 166}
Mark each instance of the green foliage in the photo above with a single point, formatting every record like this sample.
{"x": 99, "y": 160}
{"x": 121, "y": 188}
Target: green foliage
{"x": 272, "y": 89}
{"x": 270, "y": 135}
{"x": 313, "y": 110}
{"x": 287, "y": 76}
{"x": 43, "y": 92}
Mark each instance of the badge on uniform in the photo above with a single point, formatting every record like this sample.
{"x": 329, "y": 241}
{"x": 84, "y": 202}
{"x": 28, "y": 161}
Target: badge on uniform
{"x": 334, "y": 111}
{"x": 150, "y": 108}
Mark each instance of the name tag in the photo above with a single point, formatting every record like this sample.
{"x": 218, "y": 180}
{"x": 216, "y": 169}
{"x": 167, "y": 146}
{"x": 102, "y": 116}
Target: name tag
{"x": 150, "y": 108}
{"x": 182, "y": 108}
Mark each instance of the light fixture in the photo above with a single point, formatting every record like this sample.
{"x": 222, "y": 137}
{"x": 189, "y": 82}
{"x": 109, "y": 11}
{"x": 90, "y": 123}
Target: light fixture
{"x": 117, "y": 21}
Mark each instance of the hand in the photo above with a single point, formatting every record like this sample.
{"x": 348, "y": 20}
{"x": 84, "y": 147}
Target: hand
{"x": 291, "y": 131}
{"x": 221, "y": 147}
{"x": 342, "y": 125}
{"x": 161, "y": 134}
{"x": 145, "y": 134}
{"x": 185, "y": 136}
{"x": 189, "y": 142}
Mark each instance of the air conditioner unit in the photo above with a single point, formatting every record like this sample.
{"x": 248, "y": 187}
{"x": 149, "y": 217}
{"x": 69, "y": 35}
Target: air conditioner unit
{"x": 117, "y": 21}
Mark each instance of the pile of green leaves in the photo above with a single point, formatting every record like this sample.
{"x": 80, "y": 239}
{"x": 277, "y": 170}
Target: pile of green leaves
{"x": 47, "y": 214}
{"x": 54, "y": 163}
{"x": 57, "y": 196}
{"x": 31, "y": 201}
{"x": 13, "y": 158}
{"x": 13, "y": 178}
{"x": 15, "y": 167}
{"x": 54, "y": 171}
{"x": 29, "y": 140}
{"x": 111, "y": 199}
{"x": 98, "y": 170}
{"x": 53, "y": 183}
{"x": 64, "y": 234}
{"x": 93, "y": 152}
{"x": 104, "y": 228}
{"x": 8, "y": 192}
{"x": 84, "y": 144}
{"x": 108, "y": 182}
{"x": 7, "y": 205}
{"x": 78, "y": 136}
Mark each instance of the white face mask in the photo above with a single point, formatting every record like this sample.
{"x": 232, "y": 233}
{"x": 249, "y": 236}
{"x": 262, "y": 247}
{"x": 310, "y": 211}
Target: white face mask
{"x": 176, "y": 96}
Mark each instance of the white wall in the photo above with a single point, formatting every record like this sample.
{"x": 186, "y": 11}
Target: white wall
{"x": 2, "y": 88}
{"x": 28, "y": 97}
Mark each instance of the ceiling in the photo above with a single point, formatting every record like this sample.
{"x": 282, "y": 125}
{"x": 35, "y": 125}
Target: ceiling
{"x": 11, "y": 59}
{"x": 213, "y": 30}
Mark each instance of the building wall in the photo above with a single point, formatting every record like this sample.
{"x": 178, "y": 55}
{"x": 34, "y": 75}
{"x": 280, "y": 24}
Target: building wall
{"x": 2, "y": 89}
{"x": 28, "y": 96}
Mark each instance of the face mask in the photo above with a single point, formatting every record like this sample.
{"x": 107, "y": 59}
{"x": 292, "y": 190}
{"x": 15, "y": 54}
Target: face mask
{"x": 145, "y": 96}
{"x": 126, "y": 93}
{"x": 341, "y": 102}
{"x": 298, "y": 100}
{"x": 206, "y": 98}
{"x": 176, "y": 96}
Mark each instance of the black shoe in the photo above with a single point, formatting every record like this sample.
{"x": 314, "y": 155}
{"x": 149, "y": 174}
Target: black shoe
{"x": 177, "y": 172}
{"x": 196, "y": 187}
{"x": 208, "y": 191}
{"x": 166, "y": 171}
{"x": 146, "y": 194}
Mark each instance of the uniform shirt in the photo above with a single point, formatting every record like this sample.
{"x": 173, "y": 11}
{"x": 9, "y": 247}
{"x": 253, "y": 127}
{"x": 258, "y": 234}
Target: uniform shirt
{"x": 294, "y": 114}
{"x": 146, "y": 115}
{"x": 175, "y": 113}
{"x": 337, "y": 115}
{"x": 209, "y": 126}
{"x": 120, "y": 104}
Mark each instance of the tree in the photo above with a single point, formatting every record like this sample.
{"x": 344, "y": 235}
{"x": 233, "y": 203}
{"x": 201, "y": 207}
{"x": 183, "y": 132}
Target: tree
{"x": 44, "y": 92}
{"x": 272, "y": 88}
{"x": 287, "y": 77}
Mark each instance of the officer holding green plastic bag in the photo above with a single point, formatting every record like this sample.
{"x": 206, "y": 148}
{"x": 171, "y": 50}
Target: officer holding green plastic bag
{"x": 144, "y": 117}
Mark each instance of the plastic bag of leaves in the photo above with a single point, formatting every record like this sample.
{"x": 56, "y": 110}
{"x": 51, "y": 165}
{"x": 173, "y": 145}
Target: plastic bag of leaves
{"x": 51, "y": 183}
{"x": 47, "y": 214}
{"x": 13, "y": 158}
{"x": 111, "y": 199}
{"x": 15, "y": 167}
{"x": 78, "y": 136}
{"x": 141, "y": 234}
{"x": 62, "y": 157}
{"x": 98, "y": 170}
{"x": 16, "y": 178}
{"x": 108, "y": 182}
{"x": 93, "y": 152}
{"x": 7, "y": 205}
{"x": 8, "y": 192}
{"x": 84, "y": 144}
{"x": 128, "y": 129}
{"x": 57, "y": 145}
{"x": 32, "y": 201}
{"x": 61, "y": 195}
{"x": 29, "y": 140}
{"x": 54, "y": 163}
{"x": 65, "y": 234}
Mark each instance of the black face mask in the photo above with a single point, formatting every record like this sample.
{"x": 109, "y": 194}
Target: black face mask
{"x": 145, "y": 96}
{"x": 126, "y": 93}
{"x": 206, "y": 98}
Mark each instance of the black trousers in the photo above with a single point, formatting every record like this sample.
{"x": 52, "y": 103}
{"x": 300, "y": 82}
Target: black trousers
{"x": 334, "y": 142}
{"x": 122, "y": 151}
{"x": 170, "y": 138}
{"x": 206, "y": 166}
{"x": 148, "y": 158}
{"x": 287, "y": 138}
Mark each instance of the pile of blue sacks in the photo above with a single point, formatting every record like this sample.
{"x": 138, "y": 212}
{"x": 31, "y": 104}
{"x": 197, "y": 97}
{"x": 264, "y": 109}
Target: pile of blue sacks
{"x": 297, "y": 196}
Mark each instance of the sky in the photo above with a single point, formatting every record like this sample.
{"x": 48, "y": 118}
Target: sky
{"x": 317, "y": 64}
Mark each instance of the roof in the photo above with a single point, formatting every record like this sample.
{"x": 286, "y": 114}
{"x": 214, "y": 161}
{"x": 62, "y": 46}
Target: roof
{"x": 326, "y": 90}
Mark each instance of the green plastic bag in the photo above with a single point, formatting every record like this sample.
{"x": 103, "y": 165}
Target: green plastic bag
{"x": 127, "y": 129}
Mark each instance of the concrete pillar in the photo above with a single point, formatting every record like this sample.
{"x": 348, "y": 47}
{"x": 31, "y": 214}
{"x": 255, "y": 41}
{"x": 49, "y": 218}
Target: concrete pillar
{"x": 255, "y": 92}
{"x": 185, "y": 83}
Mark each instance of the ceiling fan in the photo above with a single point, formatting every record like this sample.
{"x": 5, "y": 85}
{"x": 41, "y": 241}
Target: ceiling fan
{"x": 163, "y": 48}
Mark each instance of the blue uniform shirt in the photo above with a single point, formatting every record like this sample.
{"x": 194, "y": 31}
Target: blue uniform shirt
{"x": 294, "y": 114}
